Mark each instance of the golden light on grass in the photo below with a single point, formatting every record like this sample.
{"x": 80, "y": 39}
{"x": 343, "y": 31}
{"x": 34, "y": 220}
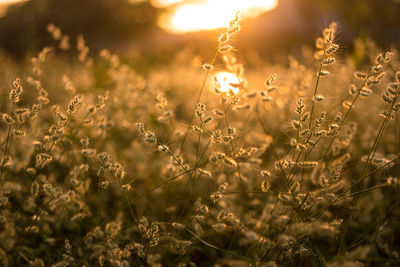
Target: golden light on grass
{"x": 227, "y": 82}
{"x": 209, "y": 14}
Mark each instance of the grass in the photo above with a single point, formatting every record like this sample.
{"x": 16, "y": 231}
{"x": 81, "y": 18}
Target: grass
{"x": 107, "y": 165}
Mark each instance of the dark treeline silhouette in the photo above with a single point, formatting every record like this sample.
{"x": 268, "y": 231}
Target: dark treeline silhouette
{"x": 102, "y": 22}
{"x": 118, "y": 24}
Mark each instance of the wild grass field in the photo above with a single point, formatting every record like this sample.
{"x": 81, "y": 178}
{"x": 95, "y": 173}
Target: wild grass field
{"x": 108, "y": 164}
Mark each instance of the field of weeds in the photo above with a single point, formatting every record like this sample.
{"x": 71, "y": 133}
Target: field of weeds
{"x": 202, "y": 162}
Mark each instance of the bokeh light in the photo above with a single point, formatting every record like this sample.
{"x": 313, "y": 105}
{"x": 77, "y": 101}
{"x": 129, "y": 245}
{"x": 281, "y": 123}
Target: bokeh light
{"x": 227, "y": 82}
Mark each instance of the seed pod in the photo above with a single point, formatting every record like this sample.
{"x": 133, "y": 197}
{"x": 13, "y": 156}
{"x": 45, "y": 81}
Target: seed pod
{"x": 388, "y": 56}
{"x": 8, "y": 118}
{"x": 126, "y": 187}
{"x": 393, "y": 87}
{"x": 360, "y": 75}
{"x": 379, "y": 59}
{"x": 365, "y": 92}
{"x": 333, "y": 127}
{"x": 319, "y": 133}
{"x": 223, "y": 38}
{"x": 338, "y": 117}
{"x": 328, "y": 61}
{"x": 230, "y": 161}
{"x": 208, "y": 67}
{"x": 301, "y": 147}
{"x": 323, "y": 73}
{"x": 204, "y": 172}
{"x": 104, "y": 184}
{"x": 163, "y": 148}
{"x": 265, "y": 174}
{"x": 319, "y": 98}
{"x": 347, "y": 104}
{"x": 296, "y": 124}
{"x": 307, "y": 164}
{"x": 265, "y": 186}
{"x": 35, "y": 188}
{"x": 197, "y": 129}
{"x": 377, "y": 68}
{"x": 332, "y": 49}
{"x": 21, "y": 111}
{"x": 19, "y": 132}
{"x": 305, "y": 117}
{"x": 207, "y": 120}
{"x": 225, "y": 48}
{"x": 352, "y": 89}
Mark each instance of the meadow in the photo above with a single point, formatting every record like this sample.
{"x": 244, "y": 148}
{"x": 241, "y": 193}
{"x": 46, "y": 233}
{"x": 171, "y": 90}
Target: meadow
{"x": 201, "y": 162}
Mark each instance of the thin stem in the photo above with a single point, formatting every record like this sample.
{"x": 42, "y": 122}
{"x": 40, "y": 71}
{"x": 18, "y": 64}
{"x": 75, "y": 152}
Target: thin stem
{"x": 275, "y": 154}
{"x": 362, "y": 178}
{"x": 199, "y": 97}
{"x": 198, "y": 141}
{"x": 132, "y": 212}
{"x": 347, "y": 113}
{"x": 6, "y": 148}
{"x": 38, "y": 214}
{"x": 315, "y": 89}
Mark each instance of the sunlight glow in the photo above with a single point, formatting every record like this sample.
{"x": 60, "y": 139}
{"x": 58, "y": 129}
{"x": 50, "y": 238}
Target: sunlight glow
{"x": 10, "y": 1}
{"x": 210, "y": 14}
{"x": 164, "y": 3}
{"x": 225, "y": 82}
{"x": 4, "y": 4}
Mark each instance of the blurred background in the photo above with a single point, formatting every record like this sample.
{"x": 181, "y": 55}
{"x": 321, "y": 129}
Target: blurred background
{"x": 159, "y": 28}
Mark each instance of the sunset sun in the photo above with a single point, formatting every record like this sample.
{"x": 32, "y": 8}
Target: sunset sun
{"x": 209, "y": 14}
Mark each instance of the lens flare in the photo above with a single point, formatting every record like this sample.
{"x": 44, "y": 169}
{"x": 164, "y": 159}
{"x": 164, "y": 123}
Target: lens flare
{"x": 227, "y": 82}
{"x": 210, "y": 14}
